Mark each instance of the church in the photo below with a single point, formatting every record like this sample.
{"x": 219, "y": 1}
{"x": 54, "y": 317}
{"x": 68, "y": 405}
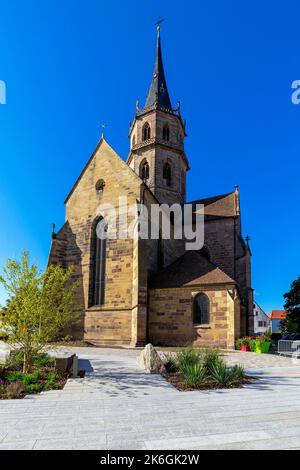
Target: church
{"x": 132, "y": 291}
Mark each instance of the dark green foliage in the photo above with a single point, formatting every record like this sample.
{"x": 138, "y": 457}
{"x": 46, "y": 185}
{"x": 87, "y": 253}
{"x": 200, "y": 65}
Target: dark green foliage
{"x": 14, "y": 376}
{"x": 209, "y": 358}
{"x": 32, "y": 378}
{"x": 194, "y": 375}
{"x": 33, "y": 388}
{"x": 186, "y": 358}
{"x": 43, "y": 360}
{"x": 239, "y": 372}
{"x": 226, "y": 376}
{"x": 206, "y": 368}
{"x": 291, "y": 324}
{"x": 171, "y": 365}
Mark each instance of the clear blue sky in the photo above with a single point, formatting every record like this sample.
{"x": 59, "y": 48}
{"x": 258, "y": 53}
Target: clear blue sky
{"x": 70, "y": 66}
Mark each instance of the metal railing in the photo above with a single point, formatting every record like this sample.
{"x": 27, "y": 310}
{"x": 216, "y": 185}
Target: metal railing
{"x": 288, "y": 347}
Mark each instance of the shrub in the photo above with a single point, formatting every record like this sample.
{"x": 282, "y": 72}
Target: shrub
{"x": 194, "y": 375}
{"x": 32, "y": 378}
{"x": 43, "y": 360}
{"x": 33, "y": 388}
{"x": 245, "y": 341}
{"x": 171, "y": 364}
{"x": 209, "y": 358}
{"x": 14, "y": 390}
{"x": 186, "y": 358}
{"x": 14, "y": 376}
{"x": 223, "y": 375}
{"x": 239, "y": 372}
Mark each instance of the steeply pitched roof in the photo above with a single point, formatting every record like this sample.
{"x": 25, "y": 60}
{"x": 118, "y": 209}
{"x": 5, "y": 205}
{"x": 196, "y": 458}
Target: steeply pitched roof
{"x": 105, "y": 144}
{"x": 224, "y": 205}
{"x": 158, "y": 92}
{"x": 193, "y": 268}
{"x": 277, "y": 314}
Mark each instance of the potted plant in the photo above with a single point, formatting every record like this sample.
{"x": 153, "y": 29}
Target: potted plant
{"x": 263, "y": 344}
{"x": 243, "y": 344}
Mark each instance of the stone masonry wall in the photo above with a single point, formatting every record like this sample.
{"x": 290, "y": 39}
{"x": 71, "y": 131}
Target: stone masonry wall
{"x": 171, "y": 317}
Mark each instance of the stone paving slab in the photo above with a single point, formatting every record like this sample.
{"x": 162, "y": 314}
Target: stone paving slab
{"x": 118, "y": 406}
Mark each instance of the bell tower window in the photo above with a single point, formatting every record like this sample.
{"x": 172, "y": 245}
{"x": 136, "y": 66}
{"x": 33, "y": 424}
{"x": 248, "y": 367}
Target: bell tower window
{"x": 144, "y": 170}
{"x": 146, "y": 132}
{"x": 167, "y": 173}
{"x": 166, "y": 132}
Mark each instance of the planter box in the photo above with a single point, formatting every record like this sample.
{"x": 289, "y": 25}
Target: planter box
{"x": 245, "y": 348}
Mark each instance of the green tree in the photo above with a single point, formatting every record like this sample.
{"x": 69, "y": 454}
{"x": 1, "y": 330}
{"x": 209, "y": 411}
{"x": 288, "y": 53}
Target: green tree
{"x": 291, "y": 324}
{"x": 40, "y": 305}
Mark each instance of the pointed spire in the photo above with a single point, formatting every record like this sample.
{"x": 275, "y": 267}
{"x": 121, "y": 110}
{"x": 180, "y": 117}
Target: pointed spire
{"x": 158, "y": 92}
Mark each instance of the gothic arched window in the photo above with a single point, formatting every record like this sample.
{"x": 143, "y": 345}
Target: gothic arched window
{"x": 144, "y": 170}
{"x": 146, "y": 131}
{"x": 133, "y": 141}
{"x": 166, "y": 132}
{"x": 99, "y": 261}
{"x": 201, "y": 310}
{"x": 167, "y": 173}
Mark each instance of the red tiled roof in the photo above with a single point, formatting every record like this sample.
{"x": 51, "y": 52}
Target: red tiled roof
{"x": 277, "y": 314}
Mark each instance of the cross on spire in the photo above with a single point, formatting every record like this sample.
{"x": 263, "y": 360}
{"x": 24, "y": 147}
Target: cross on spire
{"x": 158, "y": 23}
{"x": 158, "y": 93}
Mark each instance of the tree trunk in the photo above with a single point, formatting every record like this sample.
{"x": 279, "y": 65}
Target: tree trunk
{"x": 27, "y": 362}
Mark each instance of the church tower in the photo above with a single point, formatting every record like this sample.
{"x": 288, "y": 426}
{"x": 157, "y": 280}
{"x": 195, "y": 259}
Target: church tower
{"x": 157, "y": 140}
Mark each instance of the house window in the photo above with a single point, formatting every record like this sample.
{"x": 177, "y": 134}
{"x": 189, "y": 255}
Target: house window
{"x": 144, "y": 171}
{"x": 146, "y": 131}
{"x": 99, "y": 262}
{"x": 167, "y": 173}
{"x": 201, "y": 310}
{"x": 166, "y": 132}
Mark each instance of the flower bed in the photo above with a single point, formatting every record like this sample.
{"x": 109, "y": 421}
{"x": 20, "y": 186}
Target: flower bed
{"x": 43, "y": 376}
{"x": 203, "y": 370}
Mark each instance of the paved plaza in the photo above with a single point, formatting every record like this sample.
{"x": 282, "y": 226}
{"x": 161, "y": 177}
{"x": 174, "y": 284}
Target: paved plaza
{"x": 118, "y": 406}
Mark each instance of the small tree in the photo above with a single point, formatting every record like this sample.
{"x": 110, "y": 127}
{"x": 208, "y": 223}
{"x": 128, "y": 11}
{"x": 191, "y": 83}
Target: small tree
{"x": 40, "y": 305}
{"x": 291, "y": 324}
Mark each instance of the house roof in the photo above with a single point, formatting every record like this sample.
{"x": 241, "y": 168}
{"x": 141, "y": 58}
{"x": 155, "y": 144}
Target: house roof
{"x": 193, "y": 268}
{"x": 277, "y": 314}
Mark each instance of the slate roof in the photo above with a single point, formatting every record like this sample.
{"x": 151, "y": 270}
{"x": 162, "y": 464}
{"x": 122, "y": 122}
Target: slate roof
{"x": 158, "y": 91}
{"x": 193, "y": 268}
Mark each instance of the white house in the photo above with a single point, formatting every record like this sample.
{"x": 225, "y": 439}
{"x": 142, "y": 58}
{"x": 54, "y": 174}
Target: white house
{"x": 261, "y": 320}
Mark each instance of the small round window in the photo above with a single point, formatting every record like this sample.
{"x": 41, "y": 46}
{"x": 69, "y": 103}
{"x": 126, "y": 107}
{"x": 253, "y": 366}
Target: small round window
{"x": 100, "y": 186}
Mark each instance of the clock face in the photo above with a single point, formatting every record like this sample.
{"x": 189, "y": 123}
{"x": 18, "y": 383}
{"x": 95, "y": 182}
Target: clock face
{"x": 155, "y": 75}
